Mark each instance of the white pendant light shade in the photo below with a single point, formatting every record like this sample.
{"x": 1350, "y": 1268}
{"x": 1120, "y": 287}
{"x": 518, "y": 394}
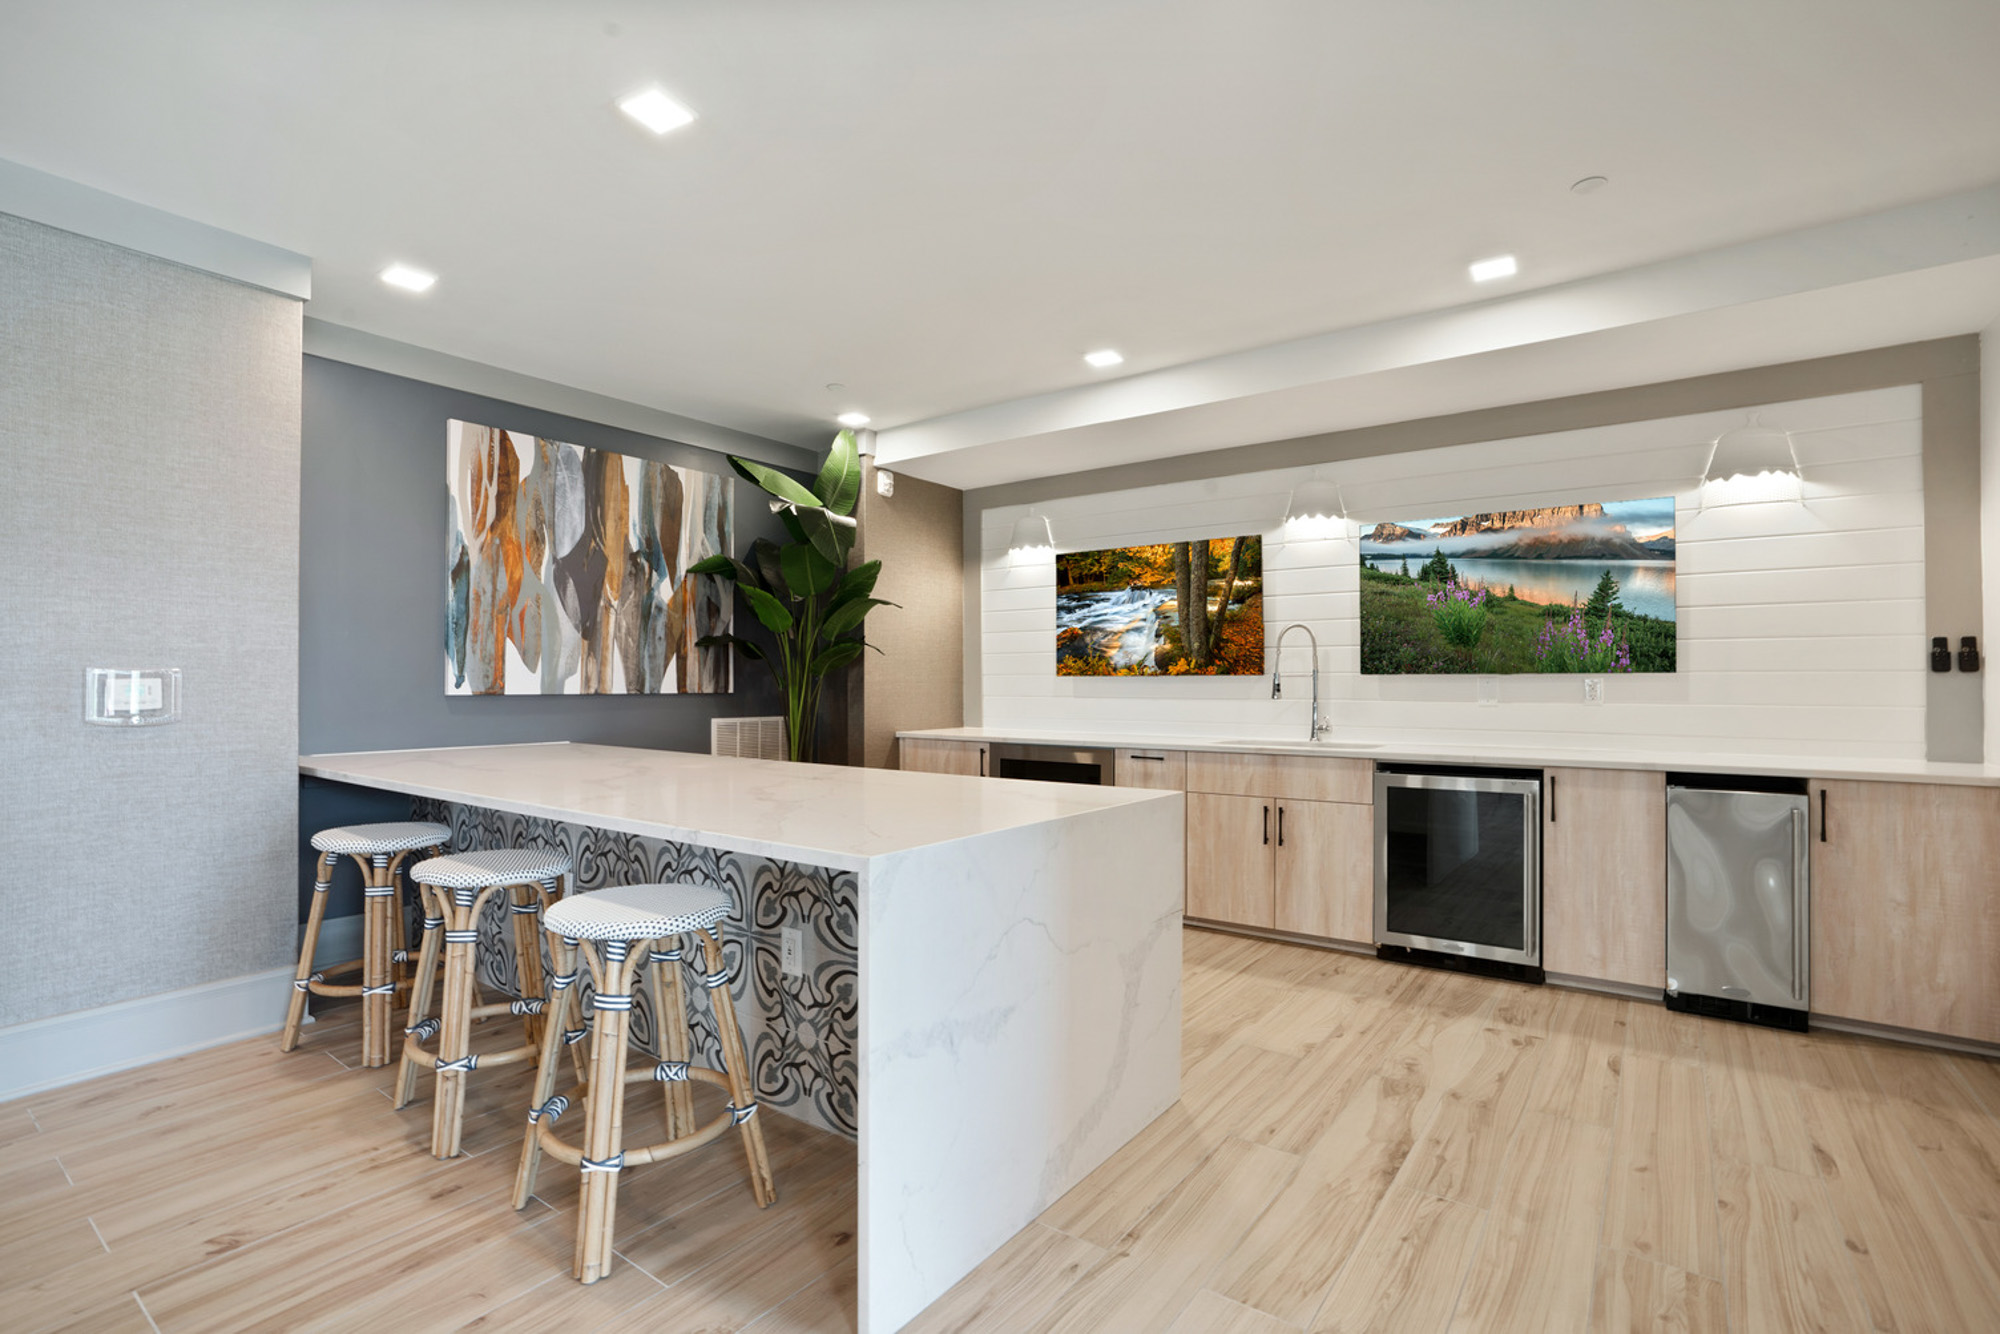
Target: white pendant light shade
{"x": 1315, "y": 499}
{"x": 1032, "y": 533}
{"x": 1751, "y": 450}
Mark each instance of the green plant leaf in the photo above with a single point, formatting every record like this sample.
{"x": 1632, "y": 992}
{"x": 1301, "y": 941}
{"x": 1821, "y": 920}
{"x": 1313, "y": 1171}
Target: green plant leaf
{"x": 727, "y": 567}
{"x": 838, "y": 485}
{"x": 807, "y": 573}
{"x": 834, "y": 657}
{"x": 848, "y": 615}
{"x": 775, "y": 482}
{"x": 858, "y": 582}
{"x": 790, "y": 518}
{"x": 830, "y": 538}
{"x": 769, "y": 610}
{"x": 744, "y": 646}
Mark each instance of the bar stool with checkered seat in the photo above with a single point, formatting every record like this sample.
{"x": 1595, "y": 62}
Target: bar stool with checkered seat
{"x": 612, "y": 923}
{"x": 379, "y": 850}
{"x": 455, "y": 888}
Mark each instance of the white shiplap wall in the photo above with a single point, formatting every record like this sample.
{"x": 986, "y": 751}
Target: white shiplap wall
{"x": 1801, "y": 625}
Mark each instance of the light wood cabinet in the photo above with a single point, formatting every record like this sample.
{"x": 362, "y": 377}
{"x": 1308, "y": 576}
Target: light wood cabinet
{"x": 926, "y": 755}
{"x": 1326, "y": 869}
{"x": 1230, "y": 859}
{"x": 1906, "y": 906}
{"x": 1604, "y": 875}
{"x": 1302, "y": 777}
{"x": 1301, "y": 866}
{"x": 1162, "y": 769}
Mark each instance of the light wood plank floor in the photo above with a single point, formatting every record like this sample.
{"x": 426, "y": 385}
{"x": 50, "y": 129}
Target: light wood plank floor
{"x": 1367, "y": 1146}
{"x": 1360, "y": 1146}
{"x": 244, "y": 1189}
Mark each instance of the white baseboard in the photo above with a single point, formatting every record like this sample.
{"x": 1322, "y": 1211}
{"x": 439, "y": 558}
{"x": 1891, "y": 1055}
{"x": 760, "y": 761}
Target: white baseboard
{"x": 67, "y": 1048}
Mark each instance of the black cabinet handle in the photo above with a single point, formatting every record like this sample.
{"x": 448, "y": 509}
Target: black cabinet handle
{"x": 1552, "y": 798}
{"x": 1822, "y": 815}
{"x": 1160, "y": 758}
{"x": 1281, "y": 826}
{"x": 982, "y": 761}
{"x": 1267, "y": 824}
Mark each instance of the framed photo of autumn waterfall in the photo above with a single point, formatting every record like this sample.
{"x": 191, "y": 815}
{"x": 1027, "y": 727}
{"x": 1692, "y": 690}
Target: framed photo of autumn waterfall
{"x": 1193, "y": 608}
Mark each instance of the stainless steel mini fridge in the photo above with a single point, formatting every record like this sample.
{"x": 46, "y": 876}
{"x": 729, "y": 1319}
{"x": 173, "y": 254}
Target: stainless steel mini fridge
{"x": 1739, "y": 943}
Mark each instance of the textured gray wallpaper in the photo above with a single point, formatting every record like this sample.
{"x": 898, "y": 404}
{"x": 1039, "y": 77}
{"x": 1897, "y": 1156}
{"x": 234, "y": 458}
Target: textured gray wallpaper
{"x": 149, "y": 436}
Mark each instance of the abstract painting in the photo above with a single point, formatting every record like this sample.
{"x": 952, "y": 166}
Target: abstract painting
{"x": 567, "y": 570}
{"x": 1175, "y": 609}
{"x": 1560, "y": 589}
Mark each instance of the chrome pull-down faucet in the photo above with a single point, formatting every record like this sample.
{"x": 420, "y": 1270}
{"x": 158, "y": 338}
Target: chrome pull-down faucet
{"x": 1278, "y": 679}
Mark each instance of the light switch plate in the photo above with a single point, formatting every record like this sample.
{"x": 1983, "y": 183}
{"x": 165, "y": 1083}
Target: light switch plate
{"x": 131, "y": 697}
{"x": 1593, "y": 690}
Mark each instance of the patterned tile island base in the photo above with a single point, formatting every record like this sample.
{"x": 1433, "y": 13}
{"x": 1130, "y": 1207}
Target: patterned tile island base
{"x": 800, "y": 1031}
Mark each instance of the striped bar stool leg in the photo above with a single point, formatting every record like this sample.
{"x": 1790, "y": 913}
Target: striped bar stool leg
{"x": 736, "y": 1067}
{"x": 525, "y": 904}
{"x": 461, "y": 941}
{"x": 295, "y": 1015}
{"x": 422, "y": 988}
{"x": 670, "y": 1027}
{"x": 378, "y": 979}
{"x": 563, "y": 992}
{"x": 604, "y": 1108}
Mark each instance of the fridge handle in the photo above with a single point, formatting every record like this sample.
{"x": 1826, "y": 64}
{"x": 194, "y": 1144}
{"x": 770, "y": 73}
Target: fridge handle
{"x": 1801, "y": 947}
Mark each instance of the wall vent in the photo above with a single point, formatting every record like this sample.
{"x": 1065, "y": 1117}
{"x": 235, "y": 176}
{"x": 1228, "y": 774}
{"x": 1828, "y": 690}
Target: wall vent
{"x": 748, "y": 738}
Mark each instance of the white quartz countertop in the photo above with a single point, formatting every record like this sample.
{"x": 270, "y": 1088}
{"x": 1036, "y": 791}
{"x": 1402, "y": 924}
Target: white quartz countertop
{"x": 1713, "y": 762}
{"x": 827, "y": 815}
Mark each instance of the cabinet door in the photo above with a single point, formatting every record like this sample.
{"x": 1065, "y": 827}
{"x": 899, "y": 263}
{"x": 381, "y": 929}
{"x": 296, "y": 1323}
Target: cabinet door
{"x": 1604, "y": 875}
{"x": 1230, "y": 845}
{"x": 1326, "y": 869}
{"x": 1301, "y": 777}
{"x": 1164, "y": 769}
{"x": 1906, "y": 906}
{"x": 925, "y": 755}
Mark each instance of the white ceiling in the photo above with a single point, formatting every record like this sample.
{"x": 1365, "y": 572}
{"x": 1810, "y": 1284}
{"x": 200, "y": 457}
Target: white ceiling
{"x": 941, "y": 204}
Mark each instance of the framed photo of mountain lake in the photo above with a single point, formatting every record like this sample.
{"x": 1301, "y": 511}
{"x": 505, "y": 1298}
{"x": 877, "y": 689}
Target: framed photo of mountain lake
{"x": 1565, "y": 588}
{"x": 1191, "y": 608}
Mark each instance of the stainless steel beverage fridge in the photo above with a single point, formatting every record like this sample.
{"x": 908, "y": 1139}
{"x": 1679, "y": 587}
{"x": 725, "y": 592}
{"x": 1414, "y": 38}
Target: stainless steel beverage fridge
{"x": 1458, "y": 868}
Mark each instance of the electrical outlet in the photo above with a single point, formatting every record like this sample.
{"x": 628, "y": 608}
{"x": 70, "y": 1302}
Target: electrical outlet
{"x": 1489, "y": 692}
{"x": 1593, "y": 690}
{"x": 789, "y": 949}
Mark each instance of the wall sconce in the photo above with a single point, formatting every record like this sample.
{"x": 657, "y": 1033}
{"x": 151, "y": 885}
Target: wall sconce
{"x": 1314, "y": 507}
{"x": 1032, "y": 533}
{"x": 1753, "y": 453}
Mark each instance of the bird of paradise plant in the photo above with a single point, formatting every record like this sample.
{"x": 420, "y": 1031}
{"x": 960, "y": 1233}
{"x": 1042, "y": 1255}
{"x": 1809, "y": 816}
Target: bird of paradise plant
{"x": 802, "y": 591}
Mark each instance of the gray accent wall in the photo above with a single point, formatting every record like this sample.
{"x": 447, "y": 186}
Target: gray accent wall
{"x": 149, "y": 431}
{"x": 371, "y": 592}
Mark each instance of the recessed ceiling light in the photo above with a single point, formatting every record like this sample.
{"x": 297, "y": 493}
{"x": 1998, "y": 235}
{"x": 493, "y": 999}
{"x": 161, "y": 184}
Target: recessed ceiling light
{"x": 1500, "y": 266}
{"x": 408, "y": 278}
{"x": 656, "y": 111}
{"x": 1103, "y": 357}
{"x": 1590, "y": 185}
{"x": 852, "y": 419}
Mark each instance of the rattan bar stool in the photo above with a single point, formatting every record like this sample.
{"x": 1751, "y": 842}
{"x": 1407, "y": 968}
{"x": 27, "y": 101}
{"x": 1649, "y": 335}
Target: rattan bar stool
{"x": 615, "y": 922}
{"x": 455, "y": 889}
{"x": 379, "y": 850}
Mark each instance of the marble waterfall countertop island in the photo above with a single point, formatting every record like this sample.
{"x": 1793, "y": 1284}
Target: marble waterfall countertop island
{"x": 1017, "y": 962}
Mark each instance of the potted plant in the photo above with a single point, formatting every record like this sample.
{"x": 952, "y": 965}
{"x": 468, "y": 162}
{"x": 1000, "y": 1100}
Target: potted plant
{"x": 802, "y": 591}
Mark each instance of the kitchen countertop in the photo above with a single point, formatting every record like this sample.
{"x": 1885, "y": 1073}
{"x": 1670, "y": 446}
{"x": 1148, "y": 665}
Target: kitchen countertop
{"x": 828, "y": 815}
{"x": 1807, "y": 766}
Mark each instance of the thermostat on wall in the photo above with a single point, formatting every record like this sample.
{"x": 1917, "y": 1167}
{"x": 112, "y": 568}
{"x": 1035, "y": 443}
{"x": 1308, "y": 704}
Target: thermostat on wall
{"x": 140, "y": 697}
